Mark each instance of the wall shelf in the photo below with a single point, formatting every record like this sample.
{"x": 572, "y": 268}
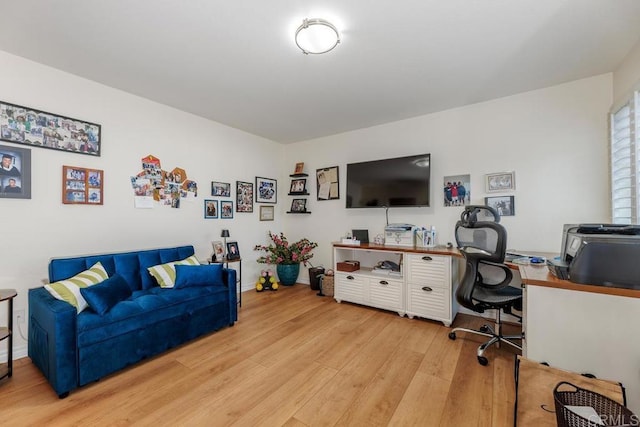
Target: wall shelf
{"x": 292, "y": 212}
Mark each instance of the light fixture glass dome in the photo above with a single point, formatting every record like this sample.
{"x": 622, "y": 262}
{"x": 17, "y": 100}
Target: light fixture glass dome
{"x": 317, "y": 36}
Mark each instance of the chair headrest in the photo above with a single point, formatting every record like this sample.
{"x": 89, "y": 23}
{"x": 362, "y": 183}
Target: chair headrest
{"x": 477, "y": 213}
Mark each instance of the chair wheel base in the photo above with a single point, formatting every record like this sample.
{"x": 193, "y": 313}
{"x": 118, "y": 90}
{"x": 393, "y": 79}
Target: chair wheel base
{"x": 483, "y": 360}
{"x": 452, "y": 335}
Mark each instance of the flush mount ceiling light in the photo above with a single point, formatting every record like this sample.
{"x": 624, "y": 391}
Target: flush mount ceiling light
{"x": 316, "y": 36}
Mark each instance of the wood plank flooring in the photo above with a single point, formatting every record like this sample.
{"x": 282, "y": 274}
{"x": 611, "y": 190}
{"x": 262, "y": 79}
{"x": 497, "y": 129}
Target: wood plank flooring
{"x": 293, "y": 359}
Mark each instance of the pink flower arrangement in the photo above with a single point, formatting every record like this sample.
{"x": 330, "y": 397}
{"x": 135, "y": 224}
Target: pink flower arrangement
{"x": 282, "y": 252}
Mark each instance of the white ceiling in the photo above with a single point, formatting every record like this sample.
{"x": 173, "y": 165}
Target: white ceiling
{"x": 236, "y": 62}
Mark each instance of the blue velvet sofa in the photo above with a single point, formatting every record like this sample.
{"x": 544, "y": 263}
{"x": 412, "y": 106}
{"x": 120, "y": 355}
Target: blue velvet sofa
{"x": 73, "y": 349}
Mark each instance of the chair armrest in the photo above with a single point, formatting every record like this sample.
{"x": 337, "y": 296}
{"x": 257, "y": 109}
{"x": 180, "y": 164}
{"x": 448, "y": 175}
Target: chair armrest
{"x": 52, "y": 343}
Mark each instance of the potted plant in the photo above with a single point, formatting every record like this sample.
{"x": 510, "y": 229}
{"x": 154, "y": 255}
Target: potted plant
{"x": 286, "y": 256}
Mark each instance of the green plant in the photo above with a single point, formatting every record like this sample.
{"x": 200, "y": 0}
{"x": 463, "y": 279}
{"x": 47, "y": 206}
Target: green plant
{"x": 280, "y": 251}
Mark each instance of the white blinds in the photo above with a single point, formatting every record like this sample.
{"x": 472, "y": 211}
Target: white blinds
{"x": 625, "y": 163}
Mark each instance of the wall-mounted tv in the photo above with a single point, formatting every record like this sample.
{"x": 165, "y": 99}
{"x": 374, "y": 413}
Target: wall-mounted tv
{"x": 397, "y": 182}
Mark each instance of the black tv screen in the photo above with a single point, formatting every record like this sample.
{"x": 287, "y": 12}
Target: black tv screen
{"x": 398, "y": 182}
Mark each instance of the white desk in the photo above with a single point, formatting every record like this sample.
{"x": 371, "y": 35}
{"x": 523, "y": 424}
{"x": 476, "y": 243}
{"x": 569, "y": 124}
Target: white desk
{"x": 583, "y": 328}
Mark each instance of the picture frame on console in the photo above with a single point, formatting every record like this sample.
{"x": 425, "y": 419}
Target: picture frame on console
{"x": 233, "y": 252}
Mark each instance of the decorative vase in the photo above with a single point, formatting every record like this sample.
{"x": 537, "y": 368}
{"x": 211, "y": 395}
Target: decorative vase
{"x": 288, "y": 273}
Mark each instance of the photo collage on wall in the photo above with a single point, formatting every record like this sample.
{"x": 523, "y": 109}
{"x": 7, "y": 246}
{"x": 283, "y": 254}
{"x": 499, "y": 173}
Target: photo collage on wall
{"x": 166, "y": 188}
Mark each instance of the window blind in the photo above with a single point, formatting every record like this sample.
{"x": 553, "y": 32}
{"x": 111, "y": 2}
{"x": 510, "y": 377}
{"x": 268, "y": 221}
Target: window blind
{"x": 625, "y": 163}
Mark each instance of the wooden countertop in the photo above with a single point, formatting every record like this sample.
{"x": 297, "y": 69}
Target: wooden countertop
{"x": 436, "y": 250}
{"x": 534, "y": 275}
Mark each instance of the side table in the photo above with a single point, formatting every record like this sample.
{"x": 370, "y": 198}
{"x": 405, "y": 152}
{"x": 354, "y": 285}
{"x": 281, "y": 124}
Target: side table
{"x": 225, "y": 263}
{"x": 6, "y": 369}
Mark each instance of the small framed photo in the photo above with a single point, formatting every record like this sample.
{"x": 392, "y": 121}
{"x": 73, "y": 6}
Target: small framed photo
{"x": 298, "y": 186}
{"x": 232, "y": 251}
{"x": 226, "y": 209}
{"x": 218, "y": 251}
{"x": 267, "y": 213}
{"x": 299, "y": 205}
{"x": 210, "y": 209}
{"x": 504, "y": 205}
{"x": 15, "y": 172}
{"x": 244, "y": 196}
{"x": 502, "y": 181}
{"x": 266, "y": 190}
{"x": 220, "y": 189}
{"x": 299, "y": 168}
{"x": 81, "y": 186}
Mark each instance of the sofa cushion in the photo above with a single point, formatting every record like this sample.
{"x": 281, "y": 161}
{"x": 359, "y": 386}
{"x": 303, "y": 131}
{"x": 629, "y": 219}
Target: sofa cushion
{"x": 148, "y": 307}
{"x": 165, "y": 274}
{"x": 69, "y": 290}
{"x": 198, "y": 275}
{"x": 103, "y": 296}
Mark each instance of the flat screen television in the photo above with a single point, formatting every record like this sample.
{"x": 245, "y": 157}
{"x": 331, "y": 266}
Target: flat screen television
{"x": 397, "y": 182}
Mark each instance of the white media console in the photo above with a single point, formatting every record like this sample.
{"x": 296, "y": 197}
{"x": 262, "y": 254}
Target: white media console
{"x": 424, "y": 286}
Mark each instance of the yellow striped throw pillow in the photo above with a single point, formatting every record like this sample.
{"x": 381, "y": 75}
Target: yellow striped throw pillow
{"x": 69, "y": 290}
{"x": 165, "y": 274}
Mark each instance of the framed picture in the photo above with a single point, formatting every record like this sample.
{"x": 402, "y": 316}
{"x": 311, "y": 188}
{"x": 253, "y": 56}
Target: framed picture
{"x": 15, "y": 173}
{"x": 226, "y": 209}
{"x": 503, "y": 204}
{"x": 299, "y": 205}
{"x": 299, "y": 168}
{"x": 266, "y": 190}
{"x": 503, "y": 181}
{"x": 328, "y": 183}
{"x": 220, "y": 189}
{"x": 267, "y": 213}
{"x": 232, "y": 251}
{"x": 218, "y": 251}
{"x": 210, "y": 209}
{"x": 457, "y": 190}
{"x": 25, "y": 125}
{"x": 244, "y": 196}
{"x": 82, "y": 186}
{"x": 298, "y": 186}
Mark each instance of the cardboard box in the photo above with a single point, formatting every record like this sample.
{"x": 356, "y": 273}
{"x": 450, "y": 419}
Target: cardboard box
{"x": 348, "y": 266}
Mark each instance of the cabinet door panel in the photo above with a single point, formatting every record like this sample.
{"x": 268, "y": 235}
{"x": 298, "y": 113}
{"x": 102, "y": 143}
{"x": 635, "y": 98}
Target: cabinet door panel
{"x": 433, "y": 303}
{"x": 350, "y": 287}
{"x": 385, "y": 293}
{"x": 430, "y": 270}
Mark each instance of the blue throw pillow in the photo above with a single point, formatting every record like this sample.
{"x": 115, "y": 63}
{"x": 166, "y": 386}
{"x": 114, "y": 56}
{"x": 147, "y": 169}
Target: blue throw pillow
{"x": 198, "y": 275}
{"x": 103, "y": 296}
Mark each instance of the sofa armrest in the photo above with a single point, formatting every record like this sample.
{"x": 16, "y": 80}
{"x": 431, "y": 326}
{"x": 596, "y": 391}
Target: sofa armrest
{"x": 229, "y": 279}
{"x": 52, "y": 339}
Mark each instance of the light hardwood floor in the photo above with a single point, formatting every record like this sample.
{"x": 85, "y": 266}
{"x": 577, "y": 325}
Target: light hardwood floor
{"x": 293, "y": 359}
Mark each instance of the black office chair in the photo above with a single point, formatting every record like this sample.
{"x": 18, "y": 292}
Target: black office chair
{"x": 486, "y": 281}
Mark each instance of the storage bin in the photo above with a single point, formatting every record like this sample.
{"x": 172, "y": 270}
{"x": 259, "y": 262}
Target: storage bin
{"x": 327, "y": 285}
{"x": 578, "y": 407}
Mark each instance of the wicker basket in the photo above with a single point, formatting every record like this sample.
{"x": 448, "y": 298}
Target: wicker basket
{"x": 607, "y": 412}
{"x": 326, "y": 286}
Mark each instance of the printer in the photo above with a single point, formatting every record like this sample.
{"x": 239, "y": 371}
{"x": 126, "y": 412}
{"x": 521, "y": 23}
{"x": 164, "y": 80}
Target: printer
{"x": 600, "y": 254}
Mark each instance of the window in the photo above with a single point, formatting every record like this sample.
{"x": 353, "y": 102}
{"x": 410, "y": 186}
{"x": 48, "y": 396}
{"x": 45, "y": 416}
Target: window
{"x": 625, "y": 163}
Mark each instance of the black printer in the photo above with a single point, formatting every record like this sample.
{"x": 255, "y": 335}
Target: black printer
{"x": 600, "y": 254}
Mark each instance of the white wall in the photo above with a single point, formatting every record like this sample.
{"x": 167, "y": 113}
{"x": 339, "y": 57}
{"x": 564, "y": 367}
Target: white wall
{"x": 555, "y": 139}
{"x": 35, "y": 230}
{"x": 626, "y": 77}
